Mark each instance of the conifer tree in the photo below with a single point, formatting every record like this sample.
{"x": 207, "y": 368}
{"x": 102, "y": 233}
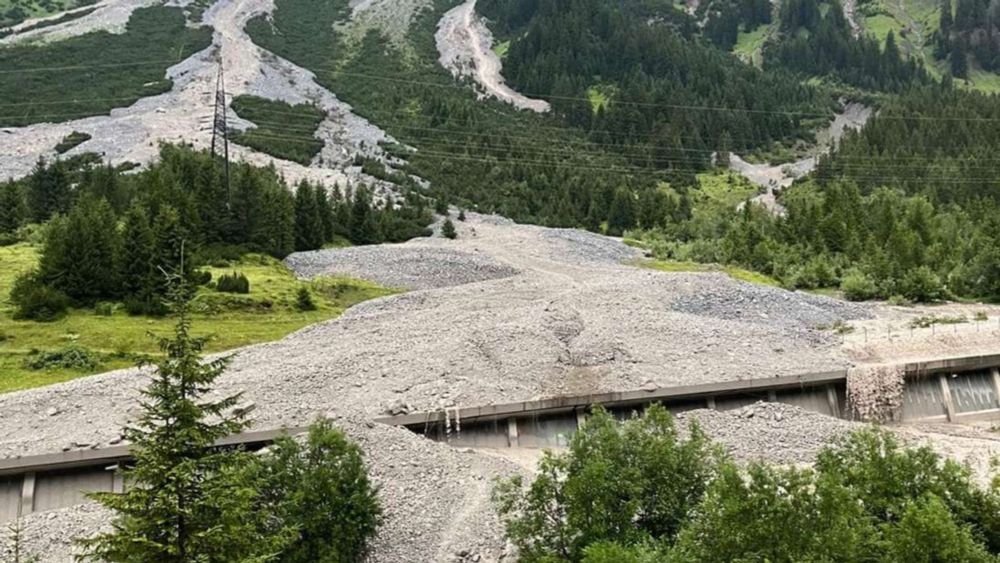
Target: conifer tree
{"x": 325, "y": 209}
{"x": 621, "y": 217}
{"x": 138, "y": 260}
{"x": 185, "y": 502}
{"x": 944, "y": 30}
{"x": 79, "y": 256}
{"x": 363, "y": 227}
{"x": 49, "y": 191}
{"x": 12, "y": 208}
{"x": 173, "y": 249}
{"x": 959, "y": 63}
{"x": 308, "y": 220}
{"x": 448, "y": 229}
{"x": 276, "y": 235}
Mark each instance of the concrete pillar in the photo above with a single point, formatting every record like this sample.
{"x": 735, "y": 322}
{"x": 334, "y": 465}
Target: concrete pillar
{"x": 27, "y": 495}
{"x": 949, "y": 406}
{"x": 581, "y": 417}
{"x": 512, "y": 432}
{"x": 772, "y": 396}
{"x": 995, "y": 372}
{"x": 710, "y": 403}
{"x": 831, "y": 399}
{"x": 118, "y": 481}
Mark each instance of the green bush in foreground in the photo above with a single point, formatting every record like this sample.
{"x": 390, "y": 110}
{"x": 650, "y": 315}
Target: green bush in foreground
{"x": 635, "y": 492}
{"x": 320, "y": 487}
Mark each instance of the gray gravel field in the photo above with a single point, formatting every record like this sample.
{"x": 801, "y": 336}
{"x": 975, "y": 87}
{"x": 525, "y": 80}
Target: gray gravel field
{"x": 506, "y": 312}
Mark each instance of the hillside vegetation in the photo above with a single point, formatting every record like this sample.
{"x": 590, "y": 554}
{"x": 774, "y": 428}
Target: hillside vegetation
{"x": 13, "y": 12}
{"x": 93, "y": 73}
{"x": 292, "y": 140}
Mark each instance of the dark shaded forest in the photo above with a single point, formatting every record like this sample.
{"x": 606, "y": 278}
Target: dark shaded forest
{"x": 110, "y": 236}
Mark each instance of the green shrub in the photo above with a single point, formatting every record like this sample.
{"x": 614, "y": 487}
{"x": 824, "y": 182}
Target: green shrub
{"x": 201, "y": 277}
{"x": 899, "y": 301}
{"x": 104, "y": 309}
{"x": 858, "y": 286}
{"x": 633, "y": 492}
{"x": 71, "y": 357}
{"x": 776, "y": 514}
{"x": 37, "y": 301}
{"x": 448, "y": 229}
{"x": 921, "y": 285}
{"x": 304, "y": 300}
{"x": 72, "y": 140}
{"x": 91, "y": 80}
{"x": 321, "y": 489}
{"x": 629, "y": 482}
{"x": 233, "y": 283}
{"x": 928, "y": 532}
{"x": 926, "y": 321}
{"x": 153, "y": 306}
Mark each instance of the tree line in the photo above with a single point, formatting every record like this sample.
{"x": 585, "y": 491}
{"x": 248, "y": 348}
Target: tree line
{"x": 109, "y": 236}
{"x": 815, "y": 39}
{"x": 659, "y": 72}
{"x": 971, "y": 29}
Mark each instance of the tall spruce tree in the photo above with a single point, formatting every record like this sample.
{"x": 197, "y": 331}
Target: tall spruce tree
{"x": 621, "y": 217}
{"x": 959, "y": 62}
{"x": 138, "y": 259}
{"x": 308, "y": 220}
{"x": 186, "y": 501}
{"x": 173, "y": 247}
{"x": 80, "y": 251}
{"x": 325, "y": 209}
{"x": 364, "y": 230}
{"x": 49, "y": 191}
{"x": 12, "y": 208}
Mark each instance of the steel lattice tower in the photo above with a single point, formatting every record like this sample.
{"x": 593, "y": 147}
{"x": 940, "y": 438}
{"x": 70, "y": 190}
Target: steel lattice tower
{"x": 220, "y": 130}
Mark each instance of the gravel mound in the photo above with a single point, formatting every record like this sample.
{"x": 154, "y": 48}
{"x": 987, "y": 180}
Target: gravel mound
{"x": 772, "y": 432}
{"x": 584, "y": 246}
{"x": 401, "y": 266}
{"x": 763, "y": 304}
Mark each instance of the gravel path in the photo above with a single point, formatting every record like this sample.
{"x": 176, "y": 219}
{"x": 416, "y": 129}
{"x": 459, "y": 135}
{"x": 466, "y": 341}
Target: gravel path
{"x": 465, "y": 45}
{"x": 184, "y": 113}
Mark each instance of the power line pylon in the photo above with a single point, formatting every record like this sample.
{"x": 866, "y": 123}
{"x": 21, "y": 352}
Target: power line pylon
{"x": 220, "y": 130}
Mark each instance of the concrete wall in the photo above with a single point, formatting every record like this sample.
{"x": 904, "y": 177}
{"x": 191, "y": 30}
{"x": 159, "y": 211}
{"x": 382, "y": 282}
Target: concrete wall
{"x": 936, "y": 396}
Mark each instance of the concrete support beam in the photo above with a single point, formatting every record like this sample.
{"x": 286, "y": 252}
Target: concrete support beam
{"x": 833, "y": 401}
{"x": 995, "y": 373}
{"x": 949, "y": 405}
{"x": 512, "y": 432}
{"x": 710, "y": 403}
{"x": 581, "y": 417}
{"x": 27, "y": 495}
{"x": 118, "y": 482}
{"x": 772, "y": 396}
